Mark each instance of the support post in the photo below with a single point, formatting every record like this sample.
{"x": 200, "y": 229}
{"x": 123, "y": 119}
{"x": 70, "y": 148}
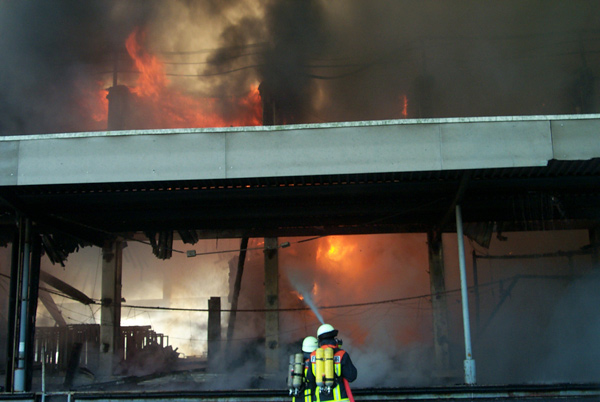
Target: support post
{"x": 214, "y": 333}
{"x": 271, "y": 305}
{"x": 469, "y": 363}
{"x": 11, "y": 350}
{"x": 236, "y": 289}
{"x": 35, "y": 263}
{"x": 110, "y": 313}
{"x": 438, "y": 301}
{"x": 21, "y": 367}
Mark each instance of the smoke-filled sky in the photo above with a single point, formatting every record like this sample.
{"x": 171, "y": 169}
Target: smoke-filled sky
{"x": 321, "y": 61}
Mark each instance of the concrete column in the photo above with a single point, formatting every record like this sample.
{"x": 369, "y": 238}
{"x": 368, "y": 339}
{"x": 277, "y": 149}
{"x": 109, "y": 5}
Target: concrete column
{"x": 110, "y": 313}
{"x": 438, "y": 301}
{"x": 23, "y": 307}
{"x": 12, "y": 340}
{"x": 21, "y": 369}
{"x": 34, "y": 284}
{"x": 271, "y": 303}
{"x": 214, "y": 333}
{"x": 236, "y": 289}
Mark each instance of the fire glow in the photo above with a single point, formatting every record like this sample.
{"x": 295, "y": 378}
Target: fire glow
{"x": 335, "y": 274}
{"x": 335, "y": 250}
{"x": 157, "y": 104}
{"x": 404, "y": 105}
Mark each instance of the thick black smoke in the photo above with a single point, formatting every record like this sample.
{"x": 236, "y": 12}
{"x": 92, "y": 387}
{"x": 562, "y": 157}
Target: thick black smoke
{"x": 52, "y": 54}
{"x": 297, "y": 36}
{"x": 357, "y": 60}
{"x": 319, "y": 60}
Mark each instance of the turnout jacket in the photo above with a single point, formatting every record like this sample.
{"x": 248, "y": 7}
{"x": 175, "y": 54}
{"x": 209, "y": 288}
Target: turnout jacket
{"x": 342, "y": 368}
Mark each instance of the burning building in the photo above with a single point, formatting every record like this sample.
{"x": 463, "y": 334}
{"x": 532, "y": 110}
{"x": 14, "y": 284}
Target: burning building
{"x": 378, "y": 134}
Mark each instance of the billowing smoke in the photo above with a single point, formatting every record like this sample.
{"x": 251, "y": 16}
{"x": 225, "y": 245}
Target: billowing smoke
{"x": 318, "y": 60}
{"x": 53, "y": 56}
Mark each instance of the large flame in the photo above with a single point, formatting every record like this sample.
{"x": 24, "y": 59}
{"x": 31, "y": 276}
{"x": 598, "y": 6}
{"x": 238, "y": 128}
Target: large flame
{"x": 159, "y": 105}
{"x": 170, "y": 108}
{"x": 351, "y": 270}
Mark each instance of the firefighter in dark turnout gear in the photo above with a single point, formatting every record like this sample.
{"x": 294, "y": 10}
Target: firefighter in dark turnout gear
{"x": 303, "y": 390}
{"x": 344, "y": 371}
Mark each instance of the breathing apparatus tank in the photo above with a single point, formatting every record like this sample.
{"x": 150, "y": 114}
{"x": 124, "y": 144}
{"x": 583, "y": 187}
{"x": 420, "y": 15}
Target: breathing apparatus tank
{"x": 298, "y": 371}
{"x": 328, "y": 355}
{"x": 290, "y": 377}
{"x": 319, "y": 363}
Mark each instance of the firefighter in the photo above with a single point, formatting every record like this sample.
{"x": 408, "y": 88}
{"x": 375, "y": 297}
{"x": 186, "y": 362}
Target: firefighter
{"x": 301, "y": 388}
{"x": 344, "y": 371}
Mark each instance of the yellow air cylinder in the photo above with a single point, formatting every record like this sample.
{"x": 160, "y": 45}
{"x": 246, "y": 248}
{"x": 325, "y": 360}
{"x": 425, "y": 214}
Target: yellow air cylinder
{"x": 298, "y": 370}
{"x": 329, "y": 367}
{"x": 320, "y": 367}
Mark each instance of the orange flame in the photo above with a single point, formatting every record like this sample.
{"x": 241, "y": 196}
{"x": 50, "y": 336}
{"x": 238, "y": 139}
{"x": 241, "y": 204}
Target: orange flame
{"x": 336, "y": 249}
{"x": 160, "y": 106}
{"x": 152, "y": 80}
{"x": 404, "y": 102}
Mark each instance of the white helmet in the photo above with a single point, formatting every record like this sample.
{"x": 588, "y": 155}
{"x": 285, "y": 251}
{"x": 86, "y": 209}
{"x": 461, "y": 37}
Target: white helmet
{"x": 309, "y": 344}
{"x": 326, "y": 331}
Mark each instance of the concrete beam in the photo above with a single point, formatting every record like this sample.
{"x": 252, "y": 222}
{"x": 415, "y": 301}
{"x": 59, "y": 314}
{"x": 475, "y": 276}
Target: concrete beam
{"x": 296, "y": 150}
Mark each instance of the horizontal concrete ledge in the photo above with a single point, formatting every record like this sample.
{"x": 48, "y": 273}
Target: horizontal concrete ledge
{"x": 369, "y": 123}
{"x": 297, "y": 150}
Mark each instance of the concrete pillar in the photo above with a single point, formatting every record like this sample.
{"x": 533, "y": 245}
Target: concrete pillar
{"x": 214, "y": 333}
{"x": 271, "y": 305}
{"x": 25, "y": 278}
{"x": 110, "y": 313}
{"x": 22, "y": 332}
{"x": 11, "y": 339}
{"x": 34, "y": 285}
{"x": 438, "y": 301}
{"x": 236, "y": 289}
